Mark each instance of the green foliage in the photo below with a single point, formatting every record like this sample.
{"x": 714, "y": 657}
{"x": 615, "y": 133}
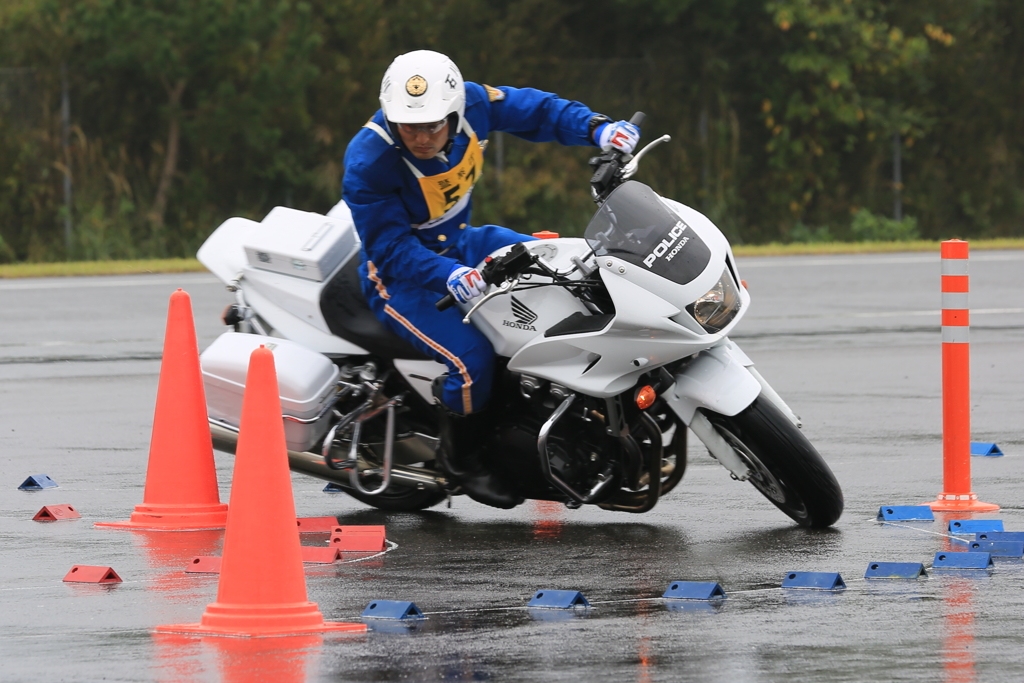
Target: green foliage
{"x": 6, "y": 253}
{"x": 195, "y": 109}
{"x": 865, "y": 226}
{"x": 784, "y": 113}
{"x": 869, "y": 227}
{"x": 842, "y": 64}
{"x": 808, "y": 235}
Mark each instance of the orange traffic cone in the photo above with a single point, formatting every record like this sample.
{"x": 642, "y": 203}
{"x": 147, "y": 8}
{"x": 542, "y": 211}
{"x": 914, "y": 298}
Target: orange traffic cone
{"x": 262, "y": 587}
{"x": 181, "y": 480}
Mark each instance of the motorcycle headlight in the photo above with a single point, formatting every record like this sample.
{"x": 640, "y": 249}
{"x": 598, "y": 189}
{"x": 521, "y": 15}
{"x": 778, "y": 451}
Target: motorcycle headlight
{"x": 718, "y": 306}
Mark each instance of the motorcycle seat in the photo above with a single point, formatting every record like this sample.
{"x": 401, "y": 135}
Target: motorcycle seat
{"x": 349, "y": 316}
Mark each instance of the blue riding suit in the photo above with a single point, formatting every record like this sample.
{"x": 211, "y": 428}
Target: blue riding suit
{"x": 413, "y": 216}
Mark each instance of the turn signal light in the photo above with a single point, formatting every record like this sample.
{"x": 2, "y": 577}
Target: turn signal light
{"x": 645, "y": 397}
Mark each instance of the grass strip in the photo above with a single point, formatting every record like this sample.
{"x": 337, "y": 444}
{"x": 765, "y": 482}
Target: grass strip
{"x": 189, "y": 265}
{"x": 78, "y": 268}
{"x": 825, "y": 248}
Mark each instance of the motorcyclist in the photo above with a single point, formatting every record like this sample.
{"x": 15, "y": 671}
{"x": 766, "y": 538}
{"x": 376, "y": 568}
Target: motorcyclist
{"x": 409, "y": 176}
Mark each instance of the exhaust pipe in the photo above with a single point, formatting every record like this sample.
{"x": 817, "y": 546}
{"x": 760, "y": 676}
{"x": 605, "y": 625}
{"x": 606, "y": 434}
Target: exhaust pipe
{"x": 312, "y": 464}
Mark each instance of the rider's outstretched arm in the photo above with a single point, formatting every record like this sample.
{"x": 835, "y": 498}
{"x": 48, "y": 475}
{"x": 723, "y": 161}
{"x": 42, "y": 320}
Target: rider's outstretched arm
{"x": 532, "y": 114}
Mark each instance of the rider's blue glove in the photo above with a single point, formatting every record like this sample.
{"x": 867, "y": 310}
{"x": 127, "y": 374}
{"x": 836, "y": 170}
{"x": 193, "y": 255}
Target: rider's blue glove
{"x": 465, "y": 283}
{"x": 621, "y": 136}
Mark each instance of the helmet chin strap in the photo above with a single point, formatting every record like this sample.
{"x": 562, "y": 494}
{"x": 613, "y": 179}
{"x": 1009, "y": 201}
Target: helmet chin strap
{"x": 454, "y": 125}
{"x": 393, "y": 129}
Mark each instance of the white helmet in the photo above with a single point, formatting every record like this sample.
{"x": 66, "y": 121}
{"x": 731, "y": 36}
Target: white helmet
{"x": 423, "y": 87}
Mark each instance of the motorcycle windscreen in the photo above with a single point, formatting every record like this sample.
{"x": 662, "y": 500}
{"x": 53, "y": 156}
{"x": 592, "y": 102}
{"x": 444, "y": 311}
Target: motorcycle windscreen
{"x": 635, "y": 225}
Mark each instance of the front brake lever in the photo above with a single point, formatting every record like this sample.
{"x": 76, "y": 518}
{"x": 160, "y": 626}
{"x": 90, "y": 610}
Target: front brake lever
{"x": 503, "y": 288}
{"x": 629, "y": 170}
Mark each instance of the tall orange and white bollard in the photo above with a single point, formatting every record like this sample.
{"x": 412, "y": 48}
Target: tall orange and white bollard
{"x": 956, "y": 386}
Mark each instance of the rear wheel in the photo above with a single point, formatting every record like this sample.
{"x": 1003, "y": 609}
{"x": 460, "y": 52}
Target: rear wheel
{"x": 398, "y": 498}
{"x": 785, "y": 467}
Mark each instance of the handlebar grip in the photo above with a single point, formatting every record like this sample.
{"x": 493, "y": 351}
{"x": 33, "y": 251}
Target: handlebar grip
{"x": 445, "y": 302}
{"x": 638, "y": 119}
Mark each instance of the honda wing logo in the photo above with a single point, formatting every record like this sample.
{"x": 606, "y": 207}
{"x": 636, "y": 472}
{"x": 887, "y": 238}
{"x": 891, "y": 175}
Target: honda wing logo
{"x": 524, "y": 317}
{"x": 522, "y": 312}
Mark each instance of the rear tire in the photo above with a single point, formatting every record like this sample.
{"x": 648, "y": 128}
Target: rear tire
{"x": 786, "y": 468}
{"x": 399, "y": 499}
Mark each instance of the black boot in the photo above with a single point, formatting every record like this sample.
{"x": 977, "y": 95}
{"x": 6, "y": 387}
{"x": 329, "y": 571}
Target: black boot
{"x": 462, "y": 440}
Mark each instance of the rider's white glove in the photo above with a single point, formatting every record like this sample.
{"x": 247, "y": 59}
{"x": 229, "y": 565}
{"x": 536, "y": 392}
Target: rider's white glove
{"x": 621, "y": 136}
{"x": 466, "y": 283}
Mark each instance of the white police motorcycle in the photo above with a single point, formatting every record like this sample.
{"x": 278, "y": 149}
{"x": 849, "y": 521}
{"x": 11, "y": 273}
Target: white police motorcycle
{"x": 610, "y": 346}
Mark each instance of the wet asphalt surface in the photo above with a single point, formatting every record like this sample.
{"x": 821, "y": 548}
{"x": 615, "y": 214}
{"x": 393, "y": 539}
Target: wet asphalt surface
{"x": 851, "y": 342}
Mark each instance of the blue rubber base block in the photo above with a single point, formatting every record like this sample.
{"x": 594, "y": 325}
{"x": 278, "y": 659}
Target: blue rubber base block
{"x": 999, "y": 536}
{"x": 947, "y": 560}
{"x": 1014, "y": 549}
{"x": 822, "y": 581}
{"x": 694, "y": 590}
{"x": 895, "y": 570}
{"x": 37, "y": 482}
{"x": 549, "y": 599}
{"x": 905, "y": 513}
{"x": 392, "y": 609}
{"x": 973, "y": 526}
{"x": 989, "y": 449}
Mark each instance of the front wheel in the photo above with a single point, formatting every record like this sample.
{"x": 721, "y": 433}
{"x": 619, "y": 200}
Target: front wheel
{"x": 785, "y": 467}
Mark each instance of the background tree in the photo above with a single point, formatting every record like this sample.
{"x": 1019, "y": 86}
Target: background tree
{"x": 786, "y": 115}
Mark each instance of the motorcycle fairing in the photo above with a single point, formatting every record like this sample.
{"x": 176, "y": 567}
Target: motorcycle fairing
{"x": 512, "y": 321}
{"x": 635, "y": 225}
{"x": 642, "y": 336}
{"x": 648, "y": 328}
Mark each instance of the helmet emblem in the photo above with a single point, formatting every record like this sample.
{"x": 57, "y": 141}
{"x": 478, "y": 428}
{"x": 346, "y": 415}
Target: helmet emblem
{"x": 416, "y": 86}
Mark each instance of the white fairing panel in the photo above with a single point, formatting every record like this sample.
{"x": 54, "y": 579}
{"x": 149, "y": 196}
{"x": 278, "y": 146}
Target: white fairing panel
{"x": 607, "y": 362}
{"x": 514, "y": 320}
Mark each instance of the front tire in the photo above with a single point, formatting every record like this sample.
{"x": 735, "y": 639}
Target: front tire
{"x": 786, "y": 468}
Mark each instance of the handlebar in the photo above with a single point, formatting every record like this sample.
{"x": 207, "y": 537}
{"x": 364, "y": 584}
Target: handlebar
{"x": 608, "y": 165}
{"x": 607, "y": 168}
{"x": 445, "y": 302}
{"x": 497, "y": 270}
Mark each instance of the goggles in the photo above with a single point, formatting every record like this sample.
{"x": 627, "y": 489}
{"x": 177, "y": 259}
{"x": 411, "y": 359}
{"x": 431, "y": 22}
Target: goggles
{"x": 428, "y": 128}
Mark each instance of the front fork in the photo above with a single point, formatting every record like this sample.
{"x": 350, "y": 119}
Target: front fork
{"x": 721, "y": 379}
